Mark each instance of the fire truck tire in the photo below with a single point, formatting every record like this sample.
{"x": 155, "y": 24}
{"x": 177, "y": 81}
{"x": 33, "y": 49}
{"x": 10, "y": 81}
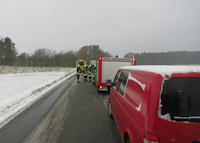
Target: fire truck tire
{"x": 98, "y": 89}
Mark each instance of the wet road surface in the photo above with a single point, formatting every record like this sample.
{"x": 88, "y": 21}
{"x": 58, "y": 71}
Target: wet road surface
{"x": 87, "y": 120}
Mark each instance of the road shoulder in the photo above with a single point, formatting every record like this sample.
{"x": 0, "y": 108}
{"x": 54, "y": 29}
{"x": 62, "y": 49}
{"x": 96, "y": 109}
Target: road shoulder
{"x": 50, "y": 127}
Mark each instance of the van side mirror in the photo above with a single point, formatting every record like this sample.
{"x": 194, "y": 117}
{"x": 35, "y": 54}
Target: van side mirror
{"x": 108, "y": 82}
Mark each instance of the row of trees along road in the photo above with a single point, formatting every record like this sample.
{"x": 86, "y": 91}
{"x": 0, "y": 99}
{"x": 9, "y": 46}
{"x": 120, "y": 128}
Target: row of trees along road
{"x": 45, "y": 57}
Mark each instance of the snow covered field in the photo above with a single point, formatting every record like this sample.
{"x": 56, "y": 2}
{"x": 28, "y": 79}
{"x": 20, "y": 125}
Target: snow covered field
{"x": 21, "y": 86}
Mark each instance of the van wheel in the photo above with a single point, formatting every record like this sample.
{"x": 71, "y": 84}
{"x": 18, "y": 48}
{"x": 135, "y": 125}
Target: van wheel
{"x": 109, "y": 110}
{"x": 128, "y": 141}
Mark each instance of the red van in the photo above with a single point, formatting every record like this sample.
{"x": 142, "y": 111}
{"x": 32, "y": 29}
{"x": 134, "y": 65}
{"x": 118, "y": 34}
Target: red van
{"x": 156, "y": 104}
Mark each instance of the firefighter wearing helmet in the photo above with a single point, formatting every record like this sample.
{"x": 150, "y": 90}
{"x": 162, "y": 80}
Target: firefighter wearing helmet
{"x": 90, "y": 73}
{"x": 78, "y": 73}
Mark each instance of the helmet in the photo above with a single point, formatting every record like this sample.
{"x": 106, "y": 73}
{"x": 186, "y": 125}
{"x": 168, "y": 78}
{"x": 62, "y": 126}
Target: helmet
{"x": 78, "y": 65}
{"x": 85, "y": 66}
{"x": 89, "y": 65}
{"x": 95, "y": 65}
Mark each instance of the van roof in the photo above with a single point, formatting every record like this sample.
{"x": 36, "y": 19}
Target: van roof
{"x": 164, "y": 70}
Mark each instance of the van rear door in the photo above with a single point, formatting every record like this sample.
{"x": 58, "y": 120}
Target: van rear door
{"x": 178, "y": 110}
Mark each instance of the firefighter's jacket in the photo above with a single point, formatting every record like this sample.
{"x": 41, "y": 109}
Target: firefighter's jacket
{"x": 85, "y": 71}
{"x": 90, "y": 71}
{"x": 78, "y": 71}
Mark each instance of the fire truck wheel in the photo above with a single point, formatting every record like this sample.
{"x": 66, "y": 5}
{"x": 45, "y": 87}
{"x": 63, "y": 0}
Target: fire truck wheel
{"x": 98, "y": 89}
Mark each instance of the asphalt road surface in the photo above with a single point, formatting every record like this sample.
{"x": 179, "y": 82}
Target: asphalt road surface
{"x": 76, "y": 113}
{"x": 87, "y": 120}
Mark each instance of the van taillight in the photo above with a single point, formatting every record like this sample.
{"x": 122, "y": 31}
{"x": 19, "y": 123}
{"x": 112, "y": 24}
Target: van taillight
{"x": 150, "y": 138}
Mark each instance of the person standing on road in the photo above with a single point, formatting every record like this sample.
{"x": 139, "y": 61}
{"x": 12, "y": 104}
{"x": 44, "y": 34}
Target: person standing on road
{"x": 78, "y": 73}
{"x": 94, "y": 74}
{"x": 85, "y": 73}
{"x": 90, "y": 73}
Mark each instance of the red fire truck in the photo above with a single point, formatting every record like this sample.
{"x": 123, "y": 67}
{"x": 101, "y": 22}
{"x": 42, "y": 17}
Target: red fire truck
{"x": 106, "y": 68}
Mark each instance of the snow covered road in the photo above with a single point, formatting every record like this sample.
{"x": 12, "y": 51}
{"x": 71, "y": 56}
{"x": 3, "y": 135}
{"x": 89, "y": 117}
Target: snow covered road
{"x": 19, "y": 91}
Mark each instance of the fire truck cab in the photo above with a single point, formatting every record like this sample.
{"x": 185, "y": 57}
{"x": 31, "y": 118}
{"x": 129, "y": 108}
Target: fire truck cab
{"x": 82, "y": 63}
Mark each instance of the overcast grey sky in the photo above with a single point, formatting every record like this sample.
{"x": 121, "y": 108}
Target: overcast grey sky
{"x": 117, "y": 26}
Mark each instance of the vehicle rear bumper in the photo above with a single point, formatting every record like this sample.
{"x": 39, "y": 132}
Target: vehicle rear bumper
{"x": 103, "y": 89}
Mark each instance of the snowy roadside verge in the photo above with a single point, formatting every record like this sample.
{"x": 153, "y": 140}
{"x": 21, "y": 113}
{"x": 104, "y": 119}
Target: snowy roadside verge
{"x": 19, "y": 91}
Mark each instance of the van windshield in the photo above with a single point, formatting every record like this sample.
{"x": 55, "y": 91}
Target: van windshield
{"x": 180, "y": 99}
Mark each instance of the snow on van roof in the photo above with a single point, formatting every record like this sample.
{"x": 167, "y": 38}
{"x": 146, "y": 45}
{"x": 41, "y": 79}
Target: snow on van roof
{"x": 164, "y": 70}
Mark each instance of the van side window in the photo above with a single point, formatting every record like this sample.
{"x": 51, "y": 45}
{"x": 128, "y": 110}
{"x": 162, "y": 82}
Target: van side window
{"x": 122, "y": 82}
{"x": 116, "y": 79}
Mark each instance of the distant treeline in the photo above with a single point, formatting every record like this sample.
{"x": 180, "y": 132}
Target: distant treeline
{"x": 167, "y": 58}
{"x": 44, "y": 57}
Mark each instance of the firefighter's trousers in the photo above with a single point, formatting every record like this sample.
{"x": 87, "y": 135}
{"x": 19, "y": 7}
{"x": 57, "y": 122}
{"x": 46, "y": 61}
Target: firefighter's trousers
{"x": 85, "y": 77}
{"x": 78, "y": 76}
{"x": 90, "y": 77}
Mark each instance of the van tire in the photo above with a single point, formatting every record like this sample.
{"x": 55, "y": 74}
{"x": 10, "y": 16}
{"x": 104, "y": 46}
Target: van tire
{"x": 128, "y": 141}
{"x": 109, "y": 110}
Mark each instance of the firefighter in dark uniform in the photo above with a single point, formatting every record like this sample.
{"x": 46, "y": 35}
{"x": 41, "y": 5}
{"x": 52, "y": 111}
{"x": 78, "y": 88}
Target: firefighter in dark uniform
{"x": 94, "y": 74}
{"x": 90, "y": 73}
{"x": 85, "y": 73}
{"x": 78, "y": 73}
